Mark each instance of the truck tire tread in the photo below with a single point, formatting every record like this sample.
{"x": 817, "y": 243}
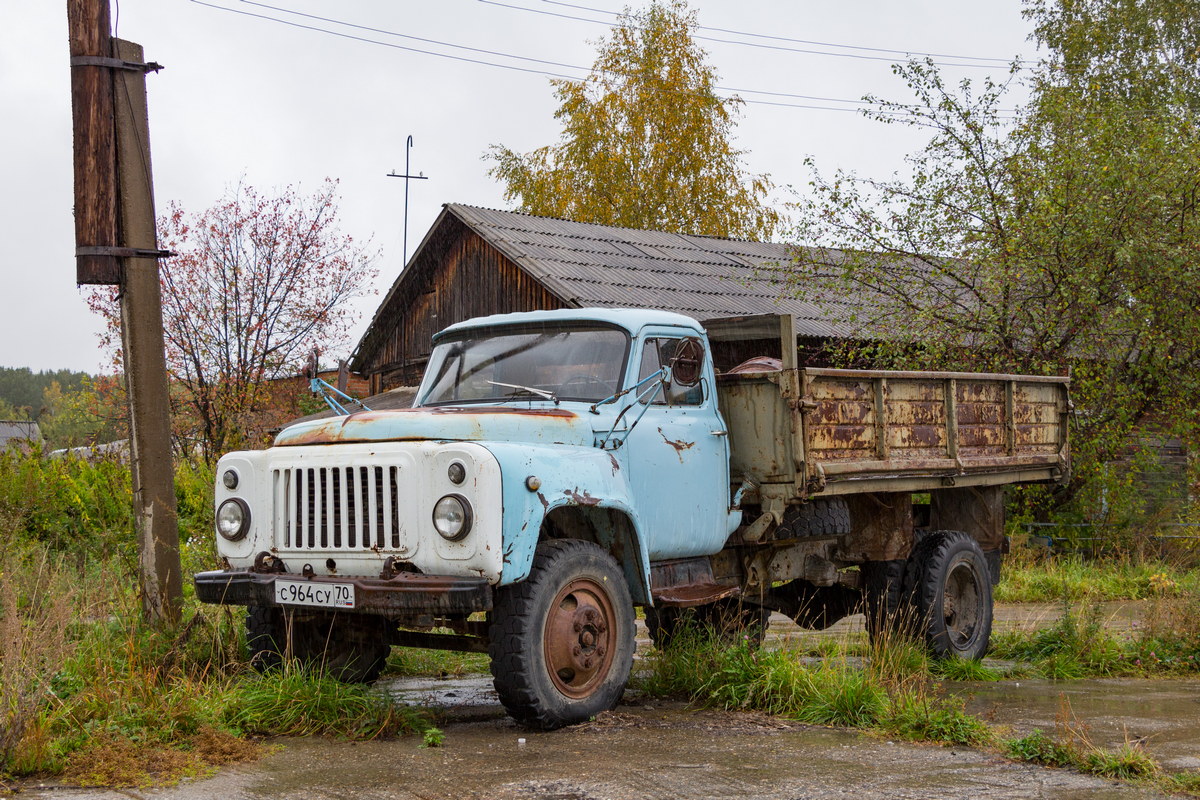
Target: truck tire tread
{"x": 925, "y": 581}
{"x": 823, "y": 516}
{"x": 516, "y": 644}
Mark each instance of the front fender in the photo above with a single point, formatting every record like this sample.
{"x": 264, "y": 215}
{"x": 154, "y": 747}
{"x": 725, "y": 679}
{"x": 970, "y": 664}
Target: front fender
{"x": 570, "y": 476}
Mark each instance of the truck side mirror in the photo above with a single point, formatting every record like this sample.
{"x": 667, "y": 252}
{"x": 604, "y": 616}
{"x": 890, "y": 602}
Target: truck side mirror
{"x": 687, "y": 361}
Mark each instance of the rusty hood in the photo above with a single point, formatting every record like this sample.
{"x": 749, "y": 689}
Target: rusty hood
{"x": 444, "y": 423}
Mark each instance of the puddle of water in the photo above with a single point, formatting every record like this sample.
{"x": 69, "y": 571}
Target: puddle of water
{"x": 1162, "y": 715}
{"x": 463, "y": 698}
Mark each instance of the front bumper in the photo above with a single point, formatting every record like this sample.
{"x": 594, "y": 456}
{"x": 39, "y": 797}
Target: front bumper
{"x": 406, "y": 593}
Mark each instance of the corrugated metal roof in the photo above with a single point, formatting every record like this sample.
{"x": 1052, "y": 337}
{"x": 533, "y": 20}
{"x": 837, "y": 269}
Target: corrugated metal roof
{"x": 13, "y": 431}
{"x": 602, "y": 265}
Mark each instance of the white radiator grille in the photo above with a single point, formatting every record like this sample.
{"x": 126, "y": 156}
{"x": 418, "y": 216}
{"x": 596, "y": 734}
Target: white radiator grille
{"x": 338, "y": 508}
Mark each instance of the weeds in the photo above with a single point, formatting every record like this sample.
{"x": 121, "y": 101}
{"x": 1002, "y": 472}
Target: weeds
{"x": 1038, "y": 748}
{"x": 1079, "y": 645}
{"x": 924, "y": 717}
{"x": 1073, "y": 747}
{"x": 299, "y": 702}
{"x": 91, "y": 693}
{"x": 37, "y": 602}
{"x": 1188, "y": 782}
{"x": 777, "y": 683}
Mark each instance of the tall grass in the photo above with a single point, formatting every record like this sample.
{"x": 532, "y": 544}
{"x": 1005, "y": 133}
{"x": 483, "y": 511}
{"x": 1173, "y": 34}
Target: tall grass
{"x": 118, "y": 702}
{"x": 89, "y": 691}
{"x": 37, "y": 603}
{"x": 1036, "y": 576}
{"x": 882, "y": 693}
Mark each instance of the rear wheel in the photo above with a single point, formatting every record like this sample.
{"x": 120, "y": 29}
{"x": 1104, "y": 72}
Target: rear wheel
{"x": 562, "y": 640}
{"x": 952, "y": 592}
{"x": 730, "y": 620}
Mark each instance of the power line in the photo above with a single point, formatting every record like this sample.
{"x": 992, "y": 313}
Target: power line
{"x": 515, "y": 57}
{"x": 1001, "y": 62}
{"x": 528, "y": 70}
{"x": 382, "y": 44}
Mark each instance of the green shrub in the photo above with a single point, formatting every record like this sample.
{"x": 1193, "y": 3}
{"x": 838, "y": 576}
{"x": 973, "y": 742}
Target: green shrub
{"x": 928, "y": 718}
{"x": 194, "y": 480}
{"x": 1038, "y": 748}
{"x": 68, "y": 504}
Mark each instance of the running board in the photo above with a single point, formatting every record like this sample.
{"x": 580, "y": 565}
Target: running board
{"x": 687, "y": 582}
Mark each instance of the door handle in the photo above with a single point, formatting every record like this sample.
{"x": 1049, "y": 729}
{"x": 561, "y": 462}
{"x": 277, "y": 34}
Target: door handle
{"x": 719, "y": 433}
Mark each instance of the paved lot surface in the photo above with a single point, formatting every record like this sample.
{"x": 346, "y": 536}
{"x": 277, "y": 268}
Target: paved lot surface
{"x": 661, "y": 751}
{"x": 657, "y": 752}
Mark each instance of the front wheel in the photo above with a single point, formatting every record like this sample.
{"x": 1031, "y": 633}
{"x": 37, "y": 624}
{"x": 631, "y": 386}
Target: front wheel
{"x": 562, "y": 640}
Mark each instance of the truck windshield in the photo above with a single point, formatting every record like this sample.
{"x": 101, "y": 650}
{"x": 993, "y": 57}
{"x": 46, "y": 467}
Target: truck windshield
{"x": 559, "y": 364}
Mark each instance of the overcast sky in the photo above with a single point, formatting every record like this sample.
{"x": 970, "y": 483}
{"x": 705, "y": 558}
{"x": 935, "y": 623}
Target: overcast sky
{"x": 280, "y": 104}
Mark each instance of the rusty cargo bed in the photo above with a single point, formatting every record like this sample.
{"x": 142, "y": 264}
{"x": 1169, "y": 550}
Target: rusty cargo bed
{"x": 800, "y": 432}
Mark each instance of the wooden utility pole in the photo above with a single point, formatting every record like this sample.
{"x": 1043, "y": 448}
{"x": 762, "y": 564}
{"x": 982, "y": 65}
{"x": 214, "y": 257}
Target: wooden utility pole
{"x": 95, "y": 143}
{"x": 114, "y": 193}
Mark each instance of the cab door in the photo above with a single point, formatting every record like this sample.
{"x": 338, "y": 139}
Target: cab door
{"x": 678, "y": 457}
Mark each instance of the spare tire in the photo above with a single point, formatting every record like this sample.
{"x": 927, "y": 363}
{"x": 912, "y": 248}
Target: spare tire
{"x": 822, "y": 516}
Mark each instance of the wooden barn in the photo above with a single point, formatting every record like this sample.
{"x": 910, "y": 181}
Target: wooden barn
{"x": 478, "y": 261}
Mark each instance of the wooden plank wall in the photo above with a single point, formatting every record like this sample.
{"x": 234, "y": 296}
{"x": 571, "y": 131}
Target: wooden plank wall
{"x": 458, "y": 276}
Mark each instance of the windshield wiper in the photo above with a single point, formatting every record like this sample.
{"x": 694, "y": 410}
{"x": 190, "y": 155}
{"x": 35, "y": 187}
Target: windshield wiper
{"x": 539, "y": 392}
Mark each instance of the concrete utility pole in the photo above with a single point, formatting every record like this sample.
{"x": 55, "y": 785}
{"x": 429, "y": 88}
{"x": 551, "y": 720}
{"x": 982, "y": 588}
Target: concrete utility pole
{"x": 116, "y": 243}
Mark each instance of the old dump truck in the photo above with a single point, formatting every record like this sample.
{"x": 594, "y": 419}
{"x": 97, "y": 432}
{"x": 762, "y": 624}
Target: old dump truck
{"x": 560, "y": 468}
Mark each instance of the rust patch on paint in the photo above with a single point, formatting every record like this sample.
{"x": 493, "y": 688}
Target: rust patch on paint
{"x": 678, "y": 444}
{"x": 545, "y": 502}
{"x": 584, "y": 499}
{"x": 468, "y": 409}
{"x": 615, "y": 465}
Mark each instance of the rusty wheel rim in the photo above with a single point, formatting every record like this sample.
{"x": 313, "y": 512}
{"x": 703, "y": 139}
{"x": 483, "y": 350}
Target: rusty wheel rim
{"x": 579, "y": 637}
{"x": 960, "y": 604}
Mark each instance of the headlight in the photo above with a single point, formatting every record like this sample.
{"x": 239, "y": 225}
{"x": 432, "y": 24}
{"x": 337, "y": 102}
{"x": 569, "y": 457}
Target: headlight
{"x": 233, "y": 519}
{"x": 452, "y": 517}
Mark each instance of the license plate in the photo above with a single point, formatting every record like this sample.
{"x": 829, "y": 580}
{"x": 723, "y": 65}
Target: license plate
{"x": 325, "y": 595}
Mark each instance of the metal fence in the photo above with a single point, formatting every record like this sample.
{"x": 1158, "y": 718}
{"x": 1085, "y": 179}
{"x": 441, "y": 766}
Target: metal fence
{"x": 1093, "y": 543}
